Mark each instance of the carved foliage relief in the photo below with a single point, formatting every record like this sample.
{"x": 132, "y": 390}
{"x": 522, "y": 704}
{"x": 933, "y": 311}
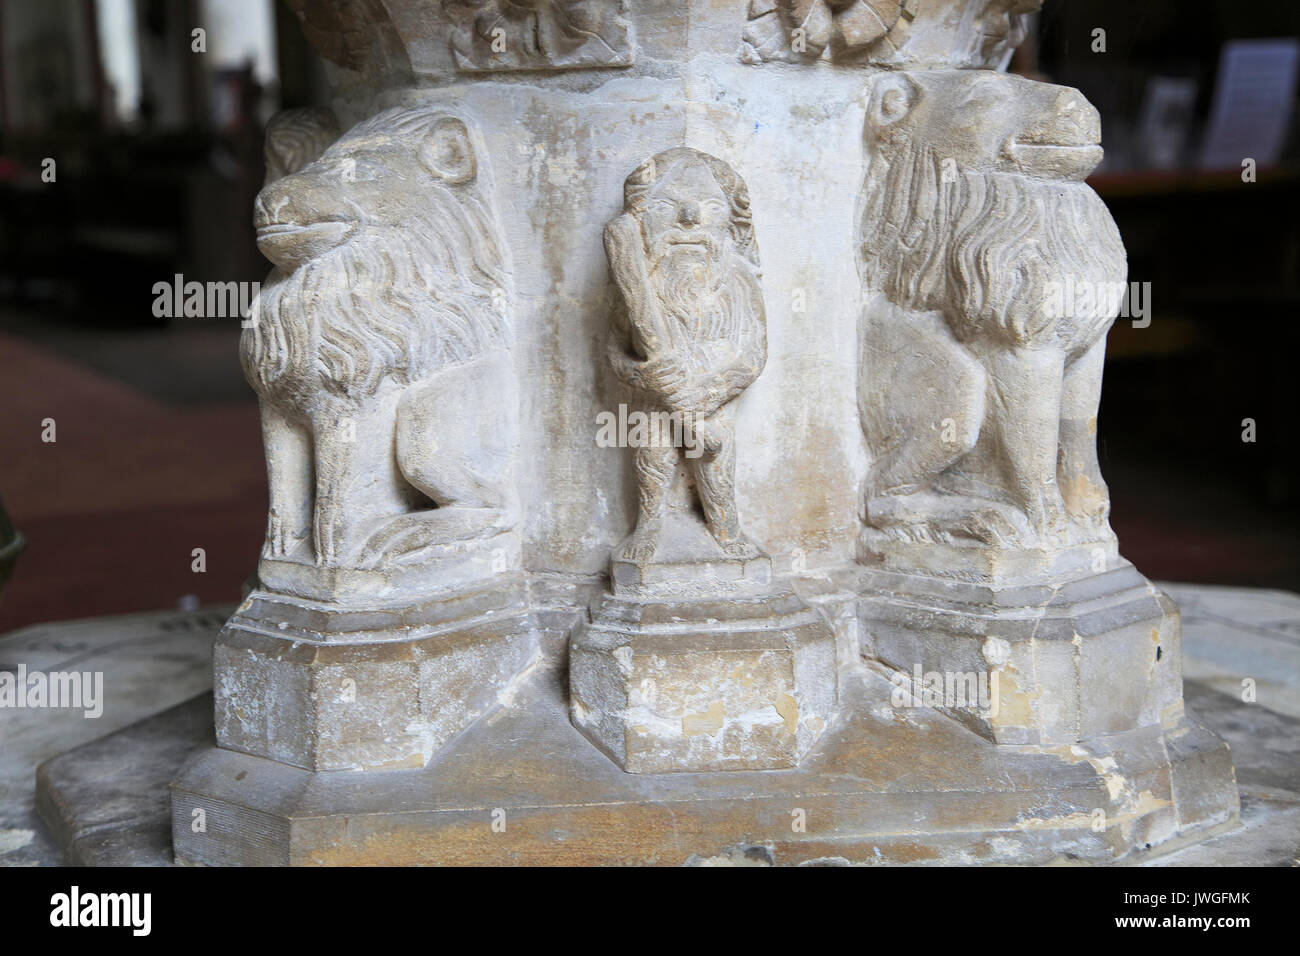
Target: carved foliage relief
{"x": 539, "y": 34}
{"x": 958, "y": 33}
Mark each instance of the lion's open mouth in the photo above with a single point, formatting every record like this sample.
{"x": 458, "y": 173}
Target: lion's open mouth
{"x": 294, "y": 243}
{"x": 279, "y": 229}
{"x": 1068, "y": 161}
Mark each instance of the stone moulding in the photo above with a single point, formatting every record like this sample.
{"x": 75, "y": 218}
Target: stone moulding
{"x": 884, "y": 786}
{"x": 1097, "y": 656}
{"x": 327, "y": 688}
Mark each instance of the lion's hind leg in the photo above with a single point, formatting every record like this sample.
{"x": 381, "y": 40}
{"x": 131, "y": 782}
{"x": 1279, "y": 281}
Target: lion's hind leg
{"x": 922, "y": 404}
{"x": 1078, "y": 471}
{"x": 454, "y": 441}
{"x": 456, "y": 434}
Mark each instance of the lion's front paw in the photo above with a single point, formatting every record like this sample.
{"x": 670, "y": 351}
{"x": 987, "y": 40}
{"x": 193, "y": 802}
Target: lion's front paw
{"x": 280, "y": 539}
{"x": 994, "y": 526}
{"x": 327, "y": 531}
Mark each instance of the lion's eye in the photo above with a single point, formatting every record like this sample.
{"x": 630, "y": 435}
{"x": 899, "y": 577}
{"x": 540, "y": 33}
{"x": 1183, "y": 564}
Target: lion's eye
{"x": 350, "y": 171}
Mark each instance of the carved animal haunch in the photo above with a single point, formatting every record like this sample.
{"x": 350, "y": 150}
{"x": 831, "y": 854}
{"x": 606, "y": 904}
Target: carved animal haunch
{"x": 380, "y": 348}
{"x": 981, "y": 377}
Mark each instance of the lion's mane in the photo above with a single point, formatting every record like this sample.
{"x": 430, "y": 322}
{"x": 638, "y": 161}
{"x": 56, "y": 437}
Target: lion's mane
{"x": 981, "y": 245}
{"x": 400, "y": 301}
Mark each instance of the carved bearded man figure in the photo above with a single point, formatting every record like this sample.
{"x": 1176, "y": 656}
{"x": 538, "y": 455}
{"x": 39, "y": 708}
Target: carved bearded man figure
{"x": 692, "y": 334}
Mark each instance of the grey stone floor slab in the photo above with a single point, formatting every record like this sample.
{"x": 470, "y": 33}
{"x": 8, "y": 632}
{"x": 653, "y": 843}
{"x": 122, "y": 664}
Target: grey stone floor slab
{"x": 154, "y": 662}
{"x": 150, "y": 662}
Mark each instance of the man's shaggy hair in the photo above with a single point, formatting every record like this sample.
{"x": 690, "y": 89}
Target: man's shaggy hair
{"x": 399, "y": 300}
{"x": 981, "y": 245}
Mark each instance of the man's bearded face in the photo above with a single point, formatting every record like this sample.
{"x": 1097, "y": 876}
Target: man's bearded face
{"x": 686, "y": 220}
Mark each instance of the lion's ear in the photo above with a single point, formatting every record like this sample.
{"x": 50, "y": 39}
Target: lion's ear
{"x": 448, "y": 153}
{"x": 892, "y": 96}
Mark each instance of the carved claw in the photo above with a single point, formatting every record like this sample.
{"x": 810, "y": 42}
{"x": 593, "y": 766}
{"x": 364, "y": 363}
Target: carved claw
{"x": 327, "y": 530}
{"x": 278, "y": 543}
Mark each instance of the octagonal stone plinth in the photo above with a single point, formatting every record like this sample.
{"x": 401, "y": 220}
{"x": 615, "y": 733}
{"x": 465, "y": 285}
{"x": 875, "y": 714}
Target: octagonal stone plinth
{"x": 1098, "y": 655}
{"x": 326, "y": 688}
{"x": 711, "y": 684}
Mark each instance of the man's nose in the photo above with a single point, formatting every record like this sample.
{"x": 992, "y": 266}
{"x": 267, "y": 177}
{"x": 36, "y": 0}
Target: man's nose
{"x": 688, "y": 213}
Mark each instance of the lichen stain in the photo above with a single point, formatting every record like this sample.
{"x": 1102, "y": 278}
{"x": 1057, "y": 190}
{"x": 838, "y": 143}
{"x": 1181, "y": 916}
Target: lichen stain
{"x": 709, "y": 722}
{"x": 1084, "y": 496}
{"x": 1015, "y": 707}
{"x": 788, "y": 708}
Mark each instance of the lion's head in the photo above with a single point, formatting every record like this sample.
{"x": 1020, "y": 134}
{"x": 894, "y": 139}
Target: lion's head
{"x": 975, "y": 201}
{"x": 390, "y": 261}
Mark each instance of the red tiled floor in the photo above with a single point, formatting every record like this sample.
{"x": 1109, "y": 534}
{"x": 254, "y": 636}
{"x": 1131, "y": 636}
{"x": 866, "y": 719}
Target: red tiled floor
{"x": 113, "y": 509}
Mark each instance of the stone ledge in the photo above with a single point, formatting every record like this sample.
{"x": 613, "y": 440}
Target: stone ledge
{"x": 884, "y": 786}
{"x": 378, "y": 689}
{"x": 1101, "y": 654}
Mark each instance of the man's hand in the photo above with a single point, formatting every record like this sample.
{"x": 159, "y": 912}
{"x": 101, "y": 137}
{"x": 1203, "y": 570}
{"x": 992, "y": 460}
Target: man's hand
{"x": 665, "y": 375}
{"x": 627, "y": 263}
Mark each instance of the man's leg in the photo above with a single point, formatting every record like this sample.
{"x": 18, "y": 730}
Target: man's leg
{"x": 655, "y": 469}
{"x": 715, "y": 478}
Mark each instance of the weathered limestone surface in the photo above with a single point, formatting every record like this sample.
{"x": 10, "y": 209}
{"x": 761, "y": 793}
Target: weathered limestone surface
{"x": 524, "y": 226}
{"x": 325, "y": 688}
{"x": 734, "y": 683}
{"x": 1095, "y": 656}
{"x": 880, "y": 788}
{"x": 106, "y": 801}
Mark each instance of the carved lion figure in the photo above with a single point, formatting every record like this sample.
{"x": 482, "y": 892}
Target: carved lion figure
{"x": 979, "y": 396}
{"x": 380, "y": 347}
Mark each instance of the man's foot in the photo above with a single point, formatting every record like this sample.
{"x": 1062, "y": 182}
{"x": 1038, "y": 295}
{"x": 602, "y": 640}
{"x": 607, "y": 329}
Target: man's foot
{"x": 640, "y": 546}
{"x": 741, "y": 548}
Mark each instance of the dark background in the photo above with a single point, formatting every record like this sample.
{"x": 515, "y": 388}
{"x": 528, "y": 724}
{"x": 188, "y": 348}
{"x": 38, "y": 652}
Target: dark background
{"x": 158, "y": 449}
